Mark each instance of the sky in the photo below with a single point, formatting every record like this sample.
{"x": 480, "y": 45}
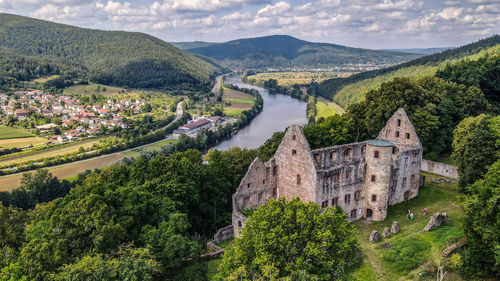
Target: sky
{"x": 372, "y": 24}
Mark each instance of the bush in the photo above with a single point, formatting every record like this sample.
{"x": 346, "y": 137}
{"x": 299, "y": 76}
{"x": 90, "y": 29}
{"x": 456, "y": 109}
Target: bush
{"x": 407, "y": 254}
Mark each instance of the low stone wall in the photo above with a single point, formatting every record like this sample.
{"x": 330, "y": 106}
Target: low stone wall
{"x": 441, "y": 169}
{"x": 220, "y": 236}
{"x": 223, "y": 234}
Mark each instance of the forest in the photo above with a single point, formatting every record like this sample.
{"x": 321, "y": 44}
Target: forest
{"x": 330, "y": 88}
{"x": 127, "y": 59}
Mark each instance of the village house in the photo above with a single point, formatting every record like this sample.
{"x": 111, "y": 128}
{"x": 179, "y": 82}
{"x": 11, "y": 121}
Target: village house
{"x": 21, "y": 114}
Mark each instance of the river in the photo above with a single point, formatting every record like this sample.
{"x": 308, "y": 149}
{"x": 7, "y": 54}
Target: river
{"x": 279, "y": 112}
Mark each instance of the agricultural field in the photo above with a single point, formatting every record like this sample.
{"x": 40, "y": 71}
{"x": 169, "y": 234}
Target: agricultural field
{"x": 412, "y": 250}
{"x": 86, "y": 90}
{"x": 13, "y": 133}
{"x": 8, "y": 183}
{"x": 237, "y": 102}
{"x": 50, "y": 153}
{"x": 290, "y": 78}
{"x": 22, "y": 142}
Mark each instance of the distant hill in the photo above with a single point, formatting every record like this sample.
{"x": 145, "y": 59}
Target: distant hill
{"x": 118, "y": 58}
{"x": 346, "y": 91}
{"x": 282, "y": 51}
{"x": 423, "y": 51}
{"x": 191, "y": 45}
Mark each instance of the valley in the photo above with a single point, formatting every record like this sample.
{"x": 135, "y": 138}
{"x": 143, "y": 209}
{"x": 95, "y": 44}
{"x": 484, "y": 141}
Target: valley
{"x": 126, "y": 157}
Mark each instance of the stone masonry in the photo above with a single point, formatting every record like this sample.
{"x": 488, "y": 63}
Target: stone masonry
{"x": 362, "y": 178}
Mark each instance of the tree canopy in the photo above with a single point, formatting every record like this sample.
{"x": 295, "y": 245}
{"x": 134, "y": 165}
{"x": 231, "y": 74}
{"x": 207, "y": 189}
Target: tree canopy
{"x": 476, "y": 146}
{"x": 283, "y": 240}
{"x": 482, "y": 207}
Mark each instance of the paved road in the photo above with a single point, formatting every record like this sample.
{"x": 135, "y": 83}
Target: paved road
{"x": 16, "y": 177}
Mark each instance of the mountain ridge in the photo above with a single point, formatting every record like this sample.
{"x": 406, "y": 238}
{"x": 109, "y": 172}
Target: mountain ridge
{"x": 287, "y": 51}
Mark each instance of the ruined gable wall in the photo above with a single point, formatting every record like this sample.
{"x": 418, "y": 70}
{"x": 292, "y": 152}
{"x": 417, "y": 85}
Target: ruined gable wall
{"x": 341, "y": 173}
{"x": 401, "y": 131}
{"x": 254, "y": 190}
{"x": 295, "y": 165}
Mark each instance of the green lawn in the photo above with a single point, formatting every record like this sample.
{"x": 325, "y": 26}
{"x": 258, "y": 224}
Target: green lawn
{"x": 13, "y": 133}
{"x": 240, "y": 100}
{"x": 212, "y": 267}
{"x": 412, "y": 248}
{"x": 324, "y": 109}
{"x": 233, "y": 112}
{"x": 92, "y": 89}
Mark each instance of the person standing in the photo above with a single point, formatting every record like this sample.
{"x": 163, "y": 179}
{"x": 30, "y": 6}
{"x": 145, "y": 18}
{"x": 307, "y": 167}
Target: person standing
{"x": 408, "y": 214}
{"x": 411, "y": 216}
{"x": 425, "y": 211}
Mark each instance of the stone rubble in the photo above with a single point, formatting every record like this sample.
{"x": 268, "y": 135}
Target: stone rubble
{"x": 395, "y": 227}
{"x": 386, "y": 232}
{"x": 436, "y": 220}
{"x": 374, "y": 236}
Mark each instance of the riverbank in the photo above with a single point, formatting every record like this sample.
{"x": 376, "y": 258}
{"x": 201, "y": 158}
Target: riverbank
{"x": 280, "y": 111}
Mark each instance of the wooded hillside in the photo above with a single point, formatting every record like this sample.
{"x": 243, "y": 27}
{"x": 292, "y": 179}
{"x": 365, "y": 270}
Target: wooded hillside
{"x": 117, "y": 58}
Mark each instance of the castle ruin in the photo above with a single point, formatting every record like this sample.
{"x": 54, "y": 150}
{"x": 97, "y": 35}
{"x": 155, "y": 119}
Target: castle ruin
{"x": 362, "y": 178}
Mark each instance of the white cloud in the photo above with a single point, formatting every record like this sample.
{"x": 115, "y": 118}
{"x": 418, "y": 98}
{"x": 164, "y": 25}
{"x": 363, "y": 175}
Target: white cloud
{"x": 274, "y": 10}
{"x": 365, "y": 23}
{"x": 450, "y": 13}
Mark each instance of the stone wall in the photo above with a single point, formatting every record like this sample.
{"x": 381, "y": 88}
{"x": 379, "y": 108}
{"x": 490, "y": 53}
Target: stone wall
{"x": 441, "y": 169}
{"x": 405, "y": 180}
{"x": 224, "y": 234}
{"x": 258, "y": 185}
{"x": 341, "y": 177}
{"x": 377, "y": 179}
